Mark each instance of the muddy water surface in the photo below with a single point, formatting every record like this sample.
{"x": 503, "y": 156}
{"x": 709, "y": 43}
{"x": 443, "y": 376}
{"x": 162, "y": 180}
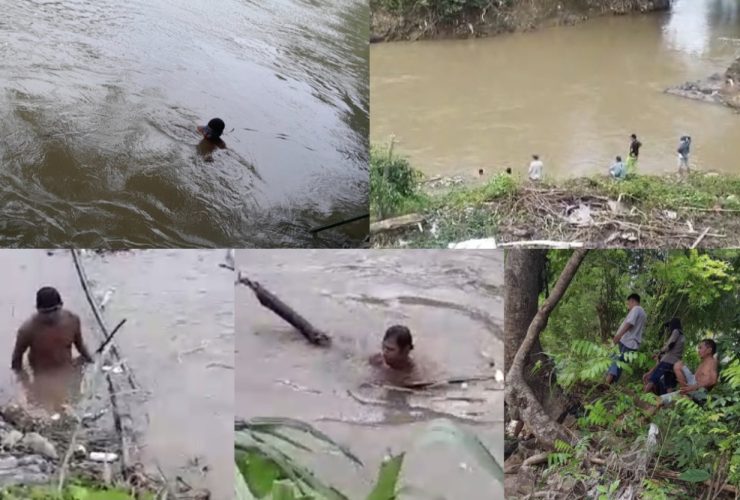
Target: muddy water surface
{"x": 99, "y": 104}
{"x": 451, "y": 301}
{"x": 570, "y": 94}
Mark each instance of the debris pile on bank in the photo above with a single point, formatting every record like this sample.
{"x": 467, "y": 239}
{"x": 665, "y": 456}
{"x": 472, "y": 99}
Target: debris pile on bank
{"x": 581, "y": 214}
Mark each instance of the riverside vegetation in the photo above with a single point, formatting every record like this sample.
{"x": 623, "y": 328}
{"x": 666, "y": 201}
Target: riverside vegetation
{"x": 641, "y": 211}
{"x": 584, "y": 440}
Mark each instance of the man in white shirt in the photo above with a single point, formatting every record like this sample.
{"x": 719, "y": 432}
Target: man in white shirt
{"x": 535, "y": 169}
{"x": 629, "y": 335}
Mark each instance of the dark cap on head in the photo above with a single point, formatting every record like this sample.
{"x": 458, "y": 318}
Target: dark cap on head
{"x": 48, "y": 299}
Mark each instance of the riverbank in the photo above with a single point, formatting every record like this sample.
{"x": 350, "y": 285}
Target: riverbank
{"x": 641, "y": 212}
{"x": 393, "y": 20}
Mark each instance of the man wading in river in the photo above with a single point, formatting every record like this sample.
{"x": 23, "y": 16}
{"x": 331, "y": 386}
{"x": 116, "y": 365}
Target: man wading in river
{"x": 398, "y": 368}
{"x": 49, "y": 336}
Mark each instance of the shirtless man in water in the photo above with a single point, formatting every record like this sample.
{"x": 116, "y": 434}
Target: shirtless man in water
{"x": 49, "y": 335}
{"x": 395, "y": 360}
{"x": 696, "y": 386}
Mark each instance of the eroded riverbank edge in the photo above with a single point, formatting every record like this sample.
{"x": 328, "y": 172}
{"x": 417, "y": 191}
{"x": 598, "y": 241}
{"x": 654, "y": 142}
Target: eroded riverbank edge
{"x": 419, "y": 22}
{"x": 699, "y": 211}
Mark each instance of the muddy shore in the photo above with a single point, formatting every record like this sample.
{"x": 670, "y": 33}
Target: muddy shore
{"x": 420, "y": 22}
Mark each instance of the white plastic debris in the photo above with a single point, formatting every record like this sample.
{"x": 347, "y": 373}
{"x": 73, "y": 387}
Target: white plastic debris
{"x": 55, "y": 417}
{"x": 499, "y": 376}
{"x": 99, "y": 456}
{"x": 481, "y": 244}
{"x": 581, "y": 216}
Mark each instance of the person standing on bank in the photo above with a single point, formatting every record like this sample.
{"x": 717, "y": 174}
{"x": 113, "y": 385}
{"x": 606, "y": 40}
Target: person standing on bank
{"x": 684, "y": 148}
{"x": 535, "y": 169}
{"x": 629, "y": 335}
{"x": 635, "y": 146}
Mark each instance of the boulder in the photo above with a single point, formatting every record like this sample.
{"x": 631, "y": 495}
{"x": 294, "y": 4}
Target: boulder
{"x": 39, "y": 444}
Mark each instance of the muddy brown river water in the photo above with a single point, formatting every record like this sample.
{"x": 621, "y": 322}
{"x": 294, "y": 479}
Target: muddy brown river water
{"x": 99, "y": 103}
{"x": 178, "y": 342}
{"x": 453, "y": 304}
{"x": 570, "y": 94}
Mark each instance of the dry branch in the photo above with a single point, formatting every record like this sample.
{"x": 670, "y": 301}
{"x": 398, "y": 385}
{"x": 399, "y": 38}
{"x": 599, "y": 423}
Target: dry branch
{"x": 271, "y": 302}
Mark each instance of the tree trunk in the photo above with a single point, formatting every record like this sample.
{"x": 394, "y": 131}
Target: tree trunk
{"x": 523, "y": 328}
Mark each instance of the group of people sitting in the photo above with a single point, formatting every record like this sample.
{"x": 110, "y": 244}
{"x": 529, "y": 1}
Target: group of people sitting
{"x": 670, "y": 377}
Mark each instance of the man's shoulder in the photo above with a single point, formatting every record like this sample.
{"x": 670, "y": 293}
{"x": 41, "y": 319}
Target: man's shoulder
{"x": 68, "y": 315}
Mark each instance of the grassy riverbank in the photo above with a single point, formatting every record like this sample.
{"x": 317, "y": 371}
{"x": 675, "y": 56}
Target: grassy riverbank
{"x": 428, "y": 19}
{"x": 81, "y": 490}
{"x": 642, "y": 211}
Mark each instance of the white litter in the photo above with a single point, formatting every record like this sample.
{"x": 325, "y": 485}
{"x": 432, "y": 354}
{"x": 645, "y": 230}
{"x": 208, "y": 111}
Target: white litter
{"x": 99, "y": 456}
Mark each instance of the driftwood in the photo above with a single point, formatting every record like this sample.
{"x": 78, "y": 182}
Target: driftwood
{"x": 270, "y": 301}
{"x": 449, "y": 381}
{"x": 396, "y": 223}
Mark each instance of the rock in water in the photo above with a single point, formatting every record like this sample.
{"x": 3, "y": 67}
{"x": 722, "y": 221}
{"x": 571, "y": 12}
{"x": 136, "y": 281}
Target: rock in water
{"x": 39, "y": 444}
{"x": 9, "y": 439}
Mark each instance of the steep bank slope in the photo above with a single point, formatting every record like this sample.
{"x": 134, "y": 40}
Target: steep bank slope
{"x": 419, "y": 19}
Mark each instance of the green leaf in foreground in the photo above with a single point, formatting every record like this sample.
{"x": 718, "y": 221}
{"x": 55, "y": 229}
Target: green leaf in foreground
{"x": 386, "y": 486}
{"x": 444, "y": 431}
{"x": 241, "y": 490}
{"x": 694, "y": 475}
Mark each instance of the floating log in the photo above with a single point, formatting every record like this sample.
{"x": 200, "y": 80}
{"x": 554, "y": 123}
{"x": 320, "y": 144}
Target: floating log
{"x": 270, "y": 301}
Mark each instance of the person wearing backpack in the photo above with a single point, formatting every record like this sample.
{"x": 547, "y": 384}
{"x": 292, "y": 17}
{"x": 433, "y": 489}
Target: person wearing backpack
{"x": 662, "y": 377}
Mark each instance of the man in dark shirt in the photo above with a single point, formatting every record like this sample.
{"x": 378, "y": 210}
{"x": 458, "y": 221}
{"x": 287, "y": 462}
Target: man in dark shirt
{"x": 634, "y": 154}
{"x": 49, "y": 336}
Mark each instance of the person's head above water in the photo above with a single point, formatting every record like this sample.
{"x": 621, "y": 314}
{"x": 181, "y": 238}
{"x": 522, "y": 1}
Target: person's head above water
{"x": 397, "y": 345}
{"x": 214, "y": 129}
{"x": 48, "y": 300}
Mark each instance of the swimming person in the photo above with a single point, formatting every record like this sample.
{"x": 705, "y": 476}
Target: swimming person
{"x": 535, "y": 169}
{"x": 684, "y": 147}
{"x": 213, "y": 132}
{"x": 395, "y": 360}
{"x": 49, "y": 335}
{"x": 618, "y": 170}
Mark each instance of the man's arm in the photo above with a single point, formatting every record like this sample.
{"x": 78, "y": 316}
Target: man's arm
{"x": 22, "y": 343}
{"x": 80, "y": 343}
{"x": 708, "y": 380}
{"x": 625, "y": 328}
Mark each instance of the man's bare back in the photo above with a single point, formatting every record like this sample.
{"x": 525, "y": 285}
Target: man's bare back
{"x": 49, "y": 339}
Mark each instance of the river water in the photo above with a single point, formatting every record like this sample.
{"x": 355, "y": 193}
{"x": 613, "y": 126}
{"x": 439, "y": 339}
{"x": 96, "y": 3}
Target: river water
{"x": 99, "y": 104}
{"x": 177, "y": 342}
{"x": 451, "y": 301}
{"x": 571, "y": 94}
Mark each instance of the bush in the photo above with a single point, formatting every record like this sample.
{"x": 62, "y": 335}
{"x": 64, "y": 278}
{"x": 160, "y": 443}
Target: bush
{"x": 394, "y": 184}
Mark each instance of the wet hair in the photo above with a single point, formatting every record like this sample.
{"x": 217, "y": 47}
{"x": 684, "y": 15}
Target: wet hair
{"x": 634, "y": 136}
{"x": 711, "y": 344}
{"x": 673, "y": 324}
{"x": 217, "y": 126}
{"x": 401, "y": 335}
{"x": 619, "y": 158}
{"x": 634, "y": 297}
{"x": 48, "y": 299}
